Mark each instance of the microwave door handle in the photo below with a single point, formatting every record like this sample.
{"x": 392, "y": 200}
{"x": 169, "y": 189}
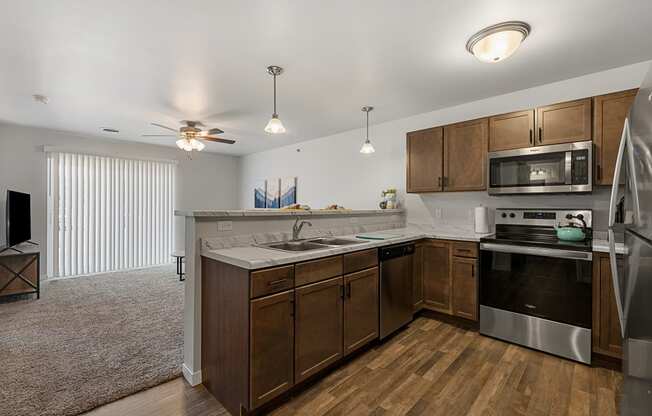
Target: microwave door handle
{"x": 616, "y": 280}
{"x": 569, "y": 168}
{"x": 617, "y": 169}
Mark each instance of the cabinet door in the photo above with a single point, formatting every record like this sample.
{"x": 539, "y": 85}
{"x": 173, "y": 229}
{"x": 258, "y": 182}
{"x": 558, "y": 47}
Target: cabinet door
{"x": 564, "y": 123}
{"x": 318, "y": 327}
{"x": 360, "y": 309}
{"x": 606, "y": 326}
{"x": 465, "y": 288}
{"x": 609, "y": 113}
{"x": 465, "y": 156}
{"x": 425, "y": 164}
{"x": 436, "y": 276}
{"x": 417, "y": 275}
{"x": 511, "y": 131}
{"x": 271, "y": 347}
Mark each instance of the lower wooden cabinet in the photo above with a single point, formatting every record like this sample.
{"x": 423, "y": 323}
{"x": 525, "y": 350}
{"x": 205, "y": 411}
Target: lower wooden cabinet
{"x": 318, "y": 327}
{"x": 436, "y": 275}
{"x": 271, "y": 347}
{"x": 465, "y": 287}
{"x": 606, "y": 332}
{"x": 360, "y": 309}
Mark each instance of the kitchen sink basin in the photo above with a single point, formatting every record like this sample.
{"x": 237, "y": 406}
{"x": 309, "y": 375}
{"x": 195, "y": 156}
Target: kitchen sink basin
{"x": 295, "y": 246}
{"x": 334, "y": 241}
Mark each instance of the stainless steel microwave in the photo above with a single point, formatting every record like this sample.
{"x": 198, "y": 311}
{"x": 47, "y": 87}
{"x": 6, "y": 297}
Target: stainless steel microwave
{"x": 558, "y": 168}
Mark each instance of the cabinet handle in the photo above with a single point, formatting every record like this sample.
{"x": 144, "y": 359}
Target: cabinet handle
{"x": 342, "y": 294}
{"x": 348, "y": 290}
{"x": 531, "y": 137}
{"x": 292, "y": 307}
{"x": 540, "y": 135}
{"x": 599, "y": 172}
{"x": 473, "y": 271}
{"x": 277, "y": 282}
{"x": 439, "y": 182}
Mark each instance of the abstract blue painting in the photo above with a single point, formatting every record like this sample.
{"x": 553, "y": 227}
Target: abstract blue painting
{"x": 259, "y": 194}
{"x": 288, "y": 191}
{"x": 272, "y": 194}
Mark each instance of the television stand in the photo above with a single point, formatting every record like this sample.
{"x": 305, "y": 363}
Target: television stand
{"x": 20, "y": 271}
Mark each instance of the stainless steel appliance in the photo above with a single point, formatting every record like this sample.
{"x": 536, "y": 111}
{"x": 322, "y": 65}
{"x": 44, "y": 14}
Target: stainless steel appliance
{"x": 542, "y": 169}
{"x": 632, "y": 276}
{"x": 396, "y": 301}
{"x": 535, "y": 290}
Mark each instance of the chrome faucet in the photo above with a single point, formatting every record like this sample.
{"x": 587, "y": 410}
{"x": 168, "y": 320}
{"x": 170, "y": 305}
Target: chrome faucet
{"x": 296, "y": 228}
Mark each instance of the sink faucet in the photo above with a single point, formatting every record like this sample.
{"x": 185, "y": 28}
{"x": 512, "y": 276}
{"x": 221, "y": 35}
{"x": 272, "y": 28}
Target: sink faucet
{"x": 298, "y": 225}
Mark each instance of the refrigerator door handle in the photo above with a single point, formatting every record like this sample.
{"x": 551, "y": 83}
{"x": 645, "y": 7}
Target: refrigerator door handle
{"x": 616, "y": 280}
{"x": 616, "y": 181}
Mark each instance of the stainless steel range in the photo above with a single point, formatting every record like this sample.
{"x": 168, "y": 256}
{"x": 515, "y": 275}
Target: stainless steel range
{"x": 535, "y": 290}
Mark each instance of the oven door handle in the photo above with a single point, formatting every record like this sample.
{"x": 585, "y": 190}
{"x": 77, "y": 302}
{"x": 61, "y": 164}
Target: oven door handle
{"x": 538, "y": 251}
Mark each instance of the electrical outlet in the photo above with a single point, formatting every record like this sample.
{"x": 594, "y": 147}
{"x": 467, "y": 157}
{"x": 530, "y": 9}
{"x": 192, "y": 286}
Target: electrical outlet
{"x": 225, "y": 226}
{"x": 438, "y": 213}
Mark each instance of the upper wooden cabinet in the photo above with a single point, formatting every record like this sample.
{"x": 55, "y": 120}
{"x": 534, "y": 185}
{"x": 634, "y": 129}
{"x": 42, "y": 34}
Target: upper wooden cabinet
{"x": 606, "y": 333}
{"x": 271, "y": 347}
{"x": 465, "y": 156}
{"x": 436, "y": 275}
{"x": 425, "y": 160}
{"x": 511, "y": 131}
{"x": 609, "y": 113}
{"x": 564, "y": 122}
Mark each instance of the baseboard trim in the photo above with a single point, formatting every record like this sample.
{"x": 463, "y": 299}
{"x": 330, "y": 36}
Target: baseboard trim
{"x": 193, "y": 379}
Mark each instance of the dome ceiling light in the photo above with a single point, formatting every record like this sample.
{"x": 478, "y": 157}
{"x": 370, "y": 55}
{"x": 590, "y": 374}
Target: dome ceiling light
{"x": 495, "y": 43}
{"x": 367, "y": 147}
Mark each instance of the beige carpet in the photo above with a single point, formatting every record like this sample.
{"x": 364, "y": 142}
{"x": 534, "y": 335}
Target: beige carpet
{"x": 89, "y": 341}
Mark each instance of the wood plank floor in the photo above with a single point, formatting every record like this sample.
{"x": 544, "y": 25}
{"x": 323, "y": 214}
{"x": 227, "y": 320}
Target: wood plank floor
{"x": 431, "y": 368}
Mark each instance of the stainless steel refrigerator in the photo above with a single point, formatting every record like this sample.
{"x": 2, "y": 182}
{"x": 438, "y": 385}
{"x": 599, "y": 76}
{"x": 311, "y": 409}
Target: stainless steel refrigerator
{"x": 630, "y": 221}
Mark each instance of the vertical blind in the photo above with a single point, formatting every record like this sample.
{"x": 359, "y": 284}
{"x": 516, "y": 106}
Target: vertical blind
{"x": 108, "y": 213}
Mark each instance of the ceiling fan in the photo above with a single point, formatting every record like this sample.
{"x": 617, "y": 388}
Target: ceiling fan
{"x": 190, "y": 136}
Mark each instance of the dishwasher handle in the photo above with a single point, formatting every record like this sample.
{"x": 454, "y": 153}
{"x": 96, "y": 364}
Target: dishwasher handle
{"x": 392, "y": 252}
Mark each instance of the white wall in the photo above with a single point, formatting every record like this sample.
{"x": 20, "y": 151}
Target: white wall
{"x": 207, "y": 181}
{"x": 331, "y": 170}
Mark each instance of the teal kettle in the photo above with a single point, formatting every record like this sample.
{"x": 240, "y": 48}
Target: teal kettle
{"x": 571, "y": 232}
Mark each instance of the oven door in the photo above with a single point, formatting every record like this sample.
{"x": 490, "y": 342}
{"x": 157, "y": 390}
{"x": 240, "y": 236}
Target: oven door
{"x": 553, "y": 284}
{"x": 541, "y": 169}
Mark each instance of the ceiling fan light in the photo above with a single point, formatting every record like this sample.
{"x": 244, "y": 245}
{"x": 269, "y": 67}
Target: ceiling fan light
{"x": 367, "y": 148}
{"x": 181, "y": 144}
{"x": 274, "y": 126}
{"x": 197, "y": 145}
{"x": 498, "y": 42}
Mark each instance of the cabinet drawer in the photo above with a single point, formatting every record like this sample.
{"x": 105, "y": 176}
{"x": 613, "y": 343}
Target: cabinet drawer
{"x": 465, "y": 249}
{"x": 360, "y": 260}
{"x": 268, "y": 281}
{"x": 316, "y": 270}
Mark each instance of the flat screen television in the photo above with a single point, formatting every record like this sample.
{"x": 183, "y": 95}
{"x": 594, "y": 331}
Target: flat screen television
{"x": 19, "y": 219}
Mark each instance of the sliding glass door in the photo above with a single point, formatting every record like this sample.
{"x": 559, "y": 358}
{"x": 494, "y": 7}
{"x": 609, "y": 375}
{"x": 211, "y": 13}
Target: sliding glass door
{"x": 107, "y": 214}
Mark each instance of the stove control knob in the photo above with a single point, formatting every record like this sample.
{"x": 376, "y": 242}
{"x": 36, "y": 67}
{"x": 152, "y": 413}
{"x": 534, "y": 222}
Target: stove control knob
{"x": 503, "y": 215}
{"x": 512, "y": 215}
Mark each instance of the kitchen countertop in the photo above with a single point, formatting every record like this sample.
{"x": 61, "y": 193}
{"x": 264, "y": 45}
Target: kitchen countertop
{"x": 254, "y": 257}
{"x": 275, "y": 212}
{"x": 603, "y": 246}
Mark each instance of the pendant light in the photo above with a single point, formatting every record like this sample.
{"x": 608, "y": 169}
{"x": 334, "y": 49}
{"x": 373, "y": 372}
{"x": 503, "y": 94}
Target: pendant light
{"x": 367, "y": 147}
{"x": 495, "y": 43}
{"x": 274, "y": 126}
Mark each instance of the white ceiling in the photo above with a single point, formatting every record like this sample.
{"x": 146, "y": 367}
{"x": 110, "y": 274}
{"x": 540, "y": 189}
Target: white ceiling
{"x": 124, "y": 64}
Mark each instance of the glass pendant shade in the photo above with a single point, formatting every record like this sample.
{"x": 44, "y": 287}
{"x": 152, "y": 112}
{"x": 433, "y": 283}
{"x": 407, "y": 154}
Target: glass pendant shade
{"x": 498, "y": 42}
{"x": 274, "y": 126}
{"x": 190, "y": 144}
{"x": 367, "y": 147}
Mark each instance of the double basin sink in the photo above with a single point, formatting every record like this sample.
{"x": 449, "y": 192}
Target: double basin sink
{"x": 312, "y": 244}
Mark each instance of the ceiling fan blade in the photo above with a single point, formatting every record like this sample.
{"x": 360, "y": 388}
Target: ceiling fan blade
{"x": 164, "y": 127}
{"x": 211, "y": 131}
{"x": 217, "y": 140}
{"x": 159, "y": 135}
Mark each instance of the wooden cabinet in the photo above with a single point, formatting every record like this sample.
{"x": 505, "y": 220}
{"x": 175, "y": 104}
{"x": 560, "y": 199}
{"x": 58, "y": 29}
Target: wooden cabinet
{"x": 318, "y": 327}
{"x": 271, "y": 347}
{"x": 360, "y": 309}
{"x": 465, "y": 287}
{"x": 609, "y": 113}
{"x": 511, "y": 131}
{"x": 436, "y": 275}
{"x": 417, "y": 276}
{"x": 606, "y": 332}
{"x": 564, "y": 122}
{"x": 425, "y": 160}
{"x": 360, "y": 260}
{"x": 465, "y": 156}
{"x": 268, "y": 281}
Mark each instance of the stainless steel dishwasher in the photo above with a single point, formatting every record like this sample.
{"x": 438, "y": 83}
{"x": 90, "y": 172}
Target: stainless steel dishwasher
{"x": 396, "y": 298}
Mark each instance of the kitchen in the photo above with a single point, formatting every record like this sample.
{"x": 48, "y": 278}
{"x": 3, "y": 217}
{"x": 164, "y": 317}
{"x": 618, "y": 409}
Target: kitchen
{"x": 538, "y": 273}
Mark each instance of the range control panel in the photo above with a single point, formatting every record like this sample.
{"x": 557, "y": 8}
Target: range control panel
{"x": 542, "y": 217}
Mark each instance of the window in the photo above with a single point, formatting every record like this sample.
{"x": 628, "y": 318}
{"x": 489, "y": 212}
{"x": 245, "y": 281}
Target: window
{"x": 107, "y": 213}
